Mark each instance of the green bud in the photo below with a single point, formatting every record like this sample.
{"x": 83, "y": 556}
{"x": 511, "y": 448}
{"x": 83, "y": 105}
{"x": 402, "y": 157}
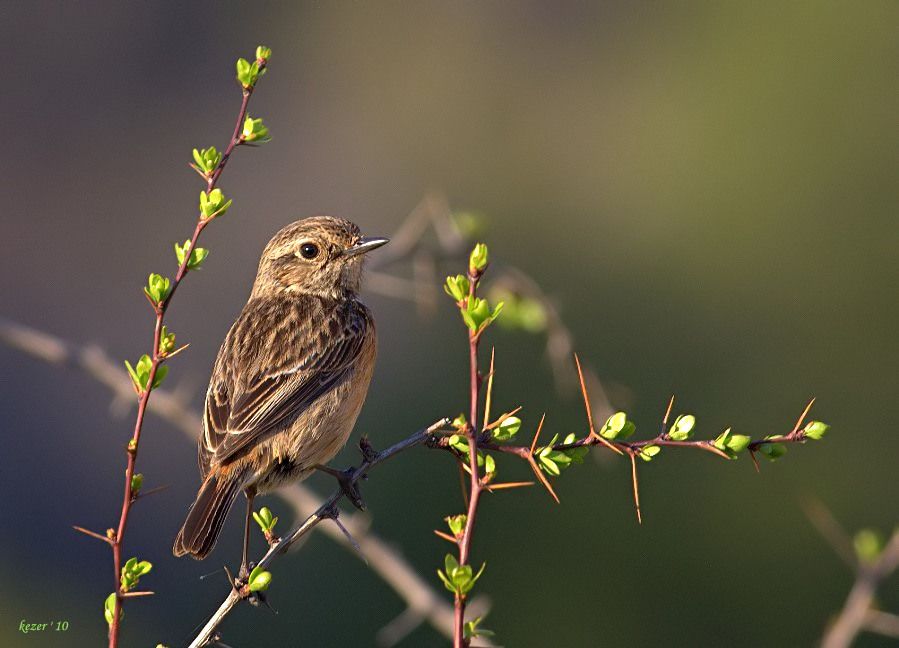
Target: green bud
{"x": 477, "y": 314}
{"x": 456, "y": 523}
{"x": 617, "y": 427}
{"x": 553, "y": 461}
{"x": 682, "y": 428}
{"x": 460, "y": 422}
{"x": 213, "y": 204}
{"x": 732, "y": 444}
{"x": 109, "y": 609}
{"x": 157, "y": 288}
{"x": 868, "y": 545}
{"x": 137, "y": 482}
{"x": 166, "y": 341}
{"x": 207, "y": 159}
{"x": 773, "y": 451}
{"x": 471, "y": 629}
{"x": 263, "y": 53}
{"x": 648, "y": 452}
{"x": 248, "y": 73}
{"x": 489, "y": 465}
{"x": 255, "y": 131}
{"x": 457, "y": 287}
{"x": 477, "y": 260}
{"x": 259, "y": 580}
{"x": 457, "y": 578}
{"x": 197, "y": 255}
{"x": 132, "y": 571}
{"x": 459, "y": 442}
{"x": 265, "y": 519}
{"x": 815, "y": 430}
{"x": 507, "y": 429}
{"x": 140, "y": 373}
{"x": 738, "y": 443}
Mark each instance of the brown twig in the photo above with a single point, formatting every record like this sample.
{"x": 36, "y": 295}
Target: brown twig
{"x": 326, "y": 511}
{"x": 476, "y": 484}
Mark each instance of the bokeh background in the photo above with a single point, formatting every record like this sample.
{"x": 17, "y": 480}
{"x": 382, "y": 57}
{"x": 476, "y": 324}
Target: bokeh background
{"x": 707, "y": 189}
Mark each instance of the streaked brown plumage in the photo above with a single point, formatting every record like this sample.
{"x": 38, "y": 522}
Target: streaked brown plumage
{"x": 290, "y": 377}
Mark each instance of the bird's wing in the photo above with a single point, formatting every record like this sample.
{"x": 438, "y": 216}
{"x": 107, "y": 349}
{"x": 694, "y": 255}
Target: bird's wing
{"x": 240, "y": 413}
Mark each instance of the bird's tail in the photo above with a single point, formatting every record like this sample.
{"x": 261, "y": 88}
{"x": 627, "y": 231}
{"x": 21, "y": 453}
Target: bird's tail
{"x": 207, "y": 514}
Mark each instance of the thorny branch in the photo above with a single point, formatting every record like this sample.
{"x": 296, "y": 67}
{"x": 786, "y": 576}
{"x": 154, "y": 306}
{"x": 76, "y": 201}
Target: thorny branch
{"x": 328, "y": 510}
{"x": 631, "y": 449}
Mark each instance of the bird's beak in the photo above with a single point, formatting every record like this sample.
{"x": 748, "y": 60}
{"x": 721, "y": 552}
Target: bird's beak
{"x": 365, "y": 244}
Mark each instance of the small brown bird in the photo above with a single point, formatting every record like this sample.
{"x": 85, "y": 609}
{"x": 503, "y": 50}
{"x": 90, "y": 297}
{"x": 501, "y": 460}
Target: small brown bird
{"x": 290, "y": 378}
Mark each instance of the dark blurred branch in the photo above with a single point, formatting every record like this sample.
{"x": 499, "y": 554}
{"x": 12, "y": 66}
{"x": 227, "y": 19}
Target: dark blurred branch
{"x": 412, "y": 242}
{"x": 422, "y": 600}
{"x": 859, "y": 612}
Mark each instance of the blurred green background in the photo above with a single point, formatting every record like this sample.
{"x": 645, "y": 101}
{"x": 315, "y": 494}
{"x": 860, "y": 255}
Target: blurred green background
{"x": 707, "y": 189}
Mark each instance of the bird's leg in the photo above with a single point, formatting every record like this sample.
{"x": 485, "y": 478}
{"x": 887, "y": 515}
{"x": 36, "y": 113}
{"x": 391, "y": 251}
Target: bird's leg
{"x": 244, "y": 572}
{"x": 349, "y": 488}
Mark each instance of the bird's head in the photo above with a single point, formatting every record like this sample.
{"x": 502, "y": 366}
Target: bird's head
{"x": 321, "y": 255}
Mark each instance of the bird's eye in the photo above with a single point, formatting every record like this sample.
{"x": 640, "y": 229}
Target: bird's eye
{"x": 309, "y": 250}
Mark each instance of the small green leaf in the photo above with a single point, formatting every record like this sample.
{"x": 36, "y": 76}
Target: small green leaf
{"x": 259, "y": 580}
{"x": 109, "y": 609}
{"x": 648, "y": 452}
{"x": 207, "y": 160}
{"x": 157, "y": 288}
{"x": 733, "y": 444}
{"x": 213, "y": 204}
{"x": 456, "y": 523}
{"x": 446, "y": 581}
{"x": 549, "y": 466}
{"x": 161, "y": 372}
{"x": 137, "y": 482}
{"x": 265, "y": 519}
{"x": 477, "y": 260}
{"x": 815, "y": 430}
{"x": 738, "y": 443}
{"x": 132, "y": 571}
{"x": 254, "y": 130}
{"x": 135, "y": 378}
{"x": 489, "y": 465}
{"x": 507, "y": 429}
{"x": 263, "y": 53}
{"x": 471, "y": 629}
{"x": 166, "y": 340}
{"x": 682, "y": 429}
{"x": 773, "y": 451}
{"x": 247, "y": 73}
{"x": 457, "y": 287}
{"x": 617, "y": 427}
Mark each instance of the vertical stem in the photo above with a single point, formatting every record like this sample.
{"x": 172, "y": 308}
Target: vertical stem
{"x": 476, "y": 486}
{"x": 157, "y": 359}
